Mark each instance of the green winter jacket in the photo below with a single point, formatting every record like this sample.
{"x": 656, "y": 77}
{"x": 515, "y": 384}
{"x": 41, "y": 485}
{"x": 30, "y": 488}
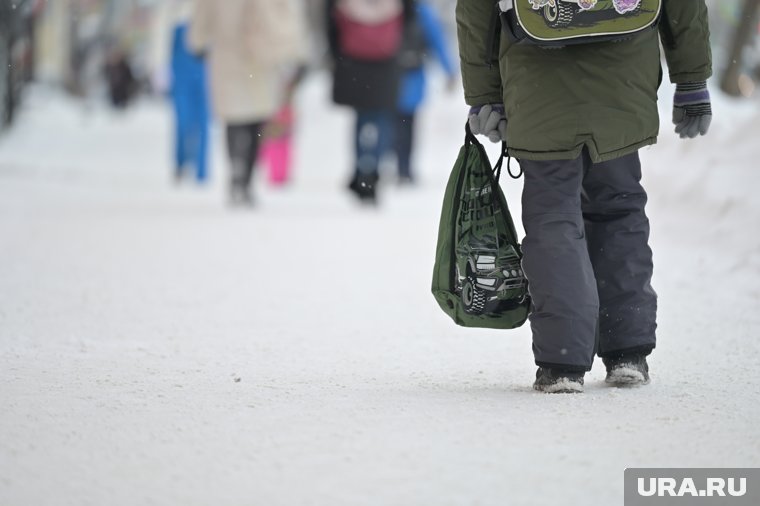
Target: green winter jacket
{"x": 601, "y": 95}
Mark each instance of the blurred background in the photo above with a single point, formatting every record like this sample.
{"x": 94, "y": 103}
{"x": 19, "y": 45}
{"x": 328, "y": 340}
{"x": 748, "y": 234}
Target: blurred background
{"x": 215, "y": 281}
{"x": 92, "y": 54}
{"x": 82, "y": 52}
{"x": 64, "y": 43}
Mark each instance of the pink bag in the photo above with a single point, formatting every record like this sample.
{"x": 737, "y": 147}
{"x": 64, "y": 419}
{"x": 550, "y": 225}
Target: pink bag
{"x": 277, "y": 146}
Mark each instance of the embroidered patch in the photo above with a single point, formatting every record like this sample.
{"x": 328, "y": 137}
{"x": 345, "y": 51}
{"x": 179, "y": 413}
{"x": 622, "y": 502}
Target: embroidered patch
{"x": 623, "y": 6}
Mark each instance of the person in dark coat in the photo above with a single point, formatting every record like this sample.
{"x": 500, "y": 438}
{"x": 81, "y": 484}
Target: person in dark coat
{"x": 368, "y": 84}
{"x": 122, "y": 84}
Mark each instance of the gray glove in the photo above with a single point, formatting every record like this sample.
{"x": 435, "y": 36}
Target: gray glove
{"x": 489, "y": 120}
{"x": 692, "y": 112}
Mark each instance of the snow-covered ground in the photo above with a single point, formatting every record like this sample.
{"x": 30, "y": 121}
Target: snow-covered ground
{"x": 157, "y": 348}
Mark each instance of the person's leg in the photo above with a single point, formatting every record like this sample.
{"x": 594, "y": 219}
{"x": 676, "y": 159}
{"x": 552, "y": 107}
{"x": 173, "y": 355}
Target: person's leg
{"x": 242, "y": 146}
{"x": 556, "y": 262}
{"x": 192, "y": 139}
{"x": 359, "y": 123}
{"x": 254, "y": 133}
{"x": 236, "y": 146}
{"x": 180, "y": 139}
{"x": 201, "y": 152}
{"x": 368, "y": 140}
{"x": 179, "y": 148}
{"x": 617, "y": 231}
{"x": 385, "y": 122}
{"x": 404, "y": 139}
{"x": 371, "y": 137}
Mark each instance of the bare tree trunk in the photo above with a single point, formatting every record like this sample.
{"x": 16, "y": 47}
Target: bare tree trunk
{"x": 744, "y": 33}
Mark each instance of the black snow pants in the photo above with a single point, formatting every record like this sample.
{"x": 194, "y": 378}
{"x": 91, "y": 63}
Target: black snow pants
{"x": 243, "y": 142}
{"x": 587, "y": 260}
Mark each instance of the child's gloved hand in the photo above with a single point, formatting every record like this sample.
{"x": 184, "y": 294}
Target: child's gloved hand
{"x": 489, "y": 120}
{"x": 692, "y": 112}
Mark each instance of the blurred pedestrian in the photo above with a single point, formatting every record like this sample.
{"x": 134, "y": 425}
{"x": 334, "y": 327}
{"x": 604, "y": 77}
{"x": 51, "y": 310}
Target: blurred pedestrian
{"x": 575, "y": 113}
{"x": 247, "y": 42}
{"x": 189, "y": 97}
{"x": 365, "y": 40}
{"x": 121, "y": 81}
{"x": 425, "y": 36}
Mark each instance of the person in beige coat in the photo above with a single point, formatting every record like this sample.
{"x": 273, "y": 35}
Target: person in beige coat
{"x": 249, "y": 43}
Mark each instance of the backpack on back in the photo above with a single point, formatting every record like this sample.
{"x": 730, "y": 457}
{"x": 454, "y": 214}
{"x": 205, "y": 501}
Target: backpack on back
{"x": 370, "y": 30}
{"x": 567, "y": 22}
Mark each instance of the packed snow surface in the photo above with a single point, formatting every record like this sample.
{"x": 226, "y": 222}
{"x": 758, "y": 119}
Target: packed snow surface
{"x": 158, "y": 348}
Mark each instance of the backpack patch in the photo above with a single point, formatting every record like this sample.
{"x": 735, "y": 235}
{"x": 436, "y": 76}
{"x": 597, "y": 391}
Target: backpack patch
{"x": 563, "y": 22}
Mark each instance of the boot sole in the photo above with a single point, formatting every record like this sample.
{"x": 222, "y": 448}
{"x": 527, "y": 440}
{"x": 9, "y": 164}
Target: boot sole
{"x": 560, "y": 387}
{"x": 626, "y": 377}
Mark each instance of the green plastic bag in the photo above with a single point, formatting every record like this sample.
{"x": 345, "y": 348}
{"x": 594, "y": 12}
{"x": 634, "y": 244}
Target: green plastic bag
{"x": 477, "y": 279}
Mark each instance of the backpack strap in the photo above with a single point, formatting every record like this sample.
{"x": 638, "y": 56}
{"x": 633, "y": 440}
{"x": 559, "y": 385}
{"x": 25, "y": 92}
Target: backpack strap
{"x": 470, "y": 139}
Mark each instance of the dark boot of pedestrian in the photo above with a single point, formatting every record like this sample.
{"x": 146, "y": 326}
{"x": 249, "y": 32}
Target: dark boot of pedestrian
{"x": 364, "y": 186}
{"x": 556, "y": 381}
{"x": 627, "y": 370}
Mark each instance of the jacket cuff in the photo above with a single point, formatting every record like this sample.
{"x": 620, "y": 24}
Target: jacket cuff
{"x": 690, "y": 77}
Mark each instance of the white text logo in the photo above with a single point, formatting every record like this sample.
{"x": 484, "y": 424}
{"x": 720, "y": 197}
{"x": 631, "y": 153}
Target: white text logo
{"x": 715, "y": 487}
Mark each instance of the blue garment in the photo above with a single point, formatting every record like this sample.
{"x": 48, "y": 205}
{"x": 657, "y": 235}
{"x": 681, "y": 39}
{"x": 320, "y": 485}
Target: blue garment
{"x": 373, "y": 137}
{"x": 189, "y": 95}
{"x": 414, "y": 82}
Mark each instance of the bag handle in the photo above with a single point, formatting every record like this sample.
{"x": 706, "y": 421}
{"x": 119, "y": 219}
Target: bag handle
{"x": 470, "y": 139}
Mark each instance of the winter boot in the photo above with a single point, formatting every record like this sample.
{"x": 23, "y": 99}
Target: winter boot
{"x": 240, "y": 196}
{"x": 364, "y": 186}
{"x": 555, "y": 381}
{"x": 627, "y": 370}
